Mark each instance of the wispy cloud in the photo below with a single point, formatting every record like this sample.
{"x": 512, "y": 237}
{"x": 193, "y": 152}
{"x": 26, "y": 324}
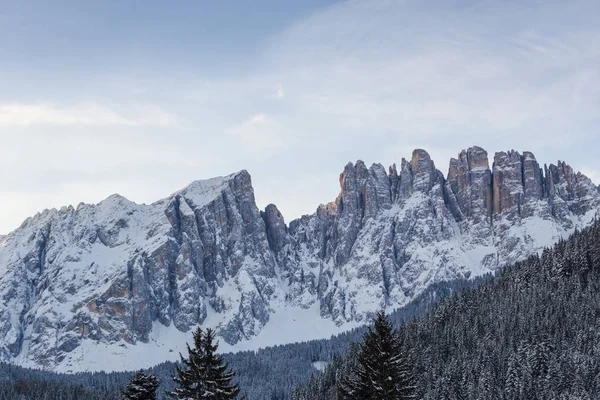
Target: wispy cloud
{"x": 85, "y": 114}
{"x": 260, "y": 132}
{"x": 361, "y": 79}
{"x": 279, "y": 93}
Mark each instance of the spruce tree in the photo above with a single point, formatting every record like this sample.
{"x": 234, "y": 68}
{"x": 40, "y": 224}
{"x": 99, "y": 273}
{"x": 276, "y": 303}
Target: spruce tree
{"x": 383, "y": 370}
{"x": 142, "y": 387}
{"x": 204, "y": 374}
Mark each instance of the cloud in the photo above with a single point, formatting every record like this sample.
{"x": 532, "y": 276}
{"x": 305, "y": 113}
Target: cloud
{"x": 85, "y": 114}
{"x": 375, "y": 79}
{"x": 448, "y": 71}
{"x": 260, "y": 132}
{"x": 279, "y": 94}
{"x": 367, "y": 80}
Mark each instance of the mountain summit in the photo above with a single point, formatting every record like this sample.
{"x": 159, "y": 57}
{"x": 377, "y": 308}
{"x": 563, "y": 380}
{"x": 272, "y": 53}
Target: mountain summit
{"x": 78, "y": 283}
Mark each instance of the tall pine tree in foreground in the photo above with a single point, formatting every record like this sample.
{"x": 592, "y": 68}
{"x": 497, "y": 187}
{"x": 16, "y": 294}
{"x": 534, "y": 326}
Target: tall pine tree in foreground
{"x": 204, "y": 374}
{"x": 383, "y": 370}
{"x": 142, "y": 387}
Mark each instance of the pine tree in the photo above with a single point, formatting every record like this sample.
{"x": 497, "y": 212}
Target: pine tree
{"x": 142, "y": 387}
{"x": 513, "y": 384}
{"x": 204, "y": 374}
{"x": 383, "y": 370}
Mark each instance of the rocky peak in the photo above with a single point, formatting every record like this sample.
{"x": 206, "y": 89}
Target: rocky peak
{"x": 560, "y": 180}
{"x": 522, "y": 189}
{"x": 508, "y": 183}
{"x": 418, "y": 175}
{"x": 115, "y": 200}
{"x": 405, "y": 184}
{"x": 533, "y": 183}
{"x": 277, "y": 233}
{"x": 350, "y": 200}
{"x": 567, "y": 191}
{"x": 469, "y": 185}
{"x": 423, "y": 171}
{"x": 363, "y": 192}
{"x": 394, "y": 181}
{"x": 109, "y": 274}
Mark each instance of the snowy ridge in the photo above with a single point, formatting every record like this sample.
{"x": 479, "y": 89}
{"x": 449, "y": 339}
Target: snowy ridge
{"x": 119, "y": 285}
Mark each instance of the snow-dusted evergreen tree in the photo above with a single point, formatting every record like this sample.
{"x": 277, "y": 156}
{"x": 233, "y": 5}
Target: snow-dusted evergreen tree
{"x": 204, "y": 374}
{"x": 531, "y": 333}
{"x": 383, "y": 370}
{"x": 142, "y": 387}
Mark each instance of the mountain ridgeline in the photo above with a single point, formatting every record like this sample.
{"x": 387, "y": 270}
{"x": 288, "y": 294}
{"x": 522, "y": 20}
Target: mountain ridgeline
{"x": 81, "y": 287}
{"x": 266, "y": 374}
{"x": 531, "y": 333}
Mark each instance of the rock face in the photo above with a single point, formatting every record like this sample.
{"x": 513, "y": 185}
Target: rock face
{"x": 117, "y": 271}
{"x": 106, "y": 272}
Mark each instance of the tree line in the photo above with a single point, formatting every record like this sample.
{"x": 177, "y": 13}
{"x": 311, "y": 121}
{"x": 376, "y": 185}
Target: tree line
{"x": 383, "y": 370}
{"x": 533, "y": 332}
{"x": 266, "y": 374}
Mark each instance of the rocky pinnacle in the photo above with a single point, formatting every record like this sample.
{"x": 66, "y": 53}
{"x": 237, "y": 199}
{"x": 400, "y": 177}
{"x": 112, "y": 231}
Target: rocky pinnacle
{"x": 112, "y": 272}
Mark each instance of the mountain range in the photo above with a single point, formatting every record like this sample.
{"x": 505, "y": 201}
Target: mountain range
{"x": 119, "y": 285}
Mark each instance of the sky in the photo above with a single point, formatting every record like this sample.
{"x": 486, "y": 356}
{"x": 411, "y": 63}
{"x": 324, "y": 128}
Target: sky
{"x": 141, "y": 98}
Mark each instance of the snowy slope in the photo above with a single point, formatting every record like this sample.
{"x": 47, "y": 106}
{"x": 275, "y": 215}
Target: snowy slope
{"x": 118, "y": 285}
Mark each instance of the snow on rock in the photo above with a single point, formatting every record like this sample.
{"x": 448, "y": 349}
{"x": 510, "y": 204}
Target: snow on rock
{"x": 119, "y": 285}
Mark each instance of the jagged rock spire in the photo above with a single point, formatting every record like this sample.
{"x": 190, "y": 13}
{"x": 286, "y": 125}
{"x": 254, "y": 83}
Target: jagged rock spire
{"x": 109, "y": 273}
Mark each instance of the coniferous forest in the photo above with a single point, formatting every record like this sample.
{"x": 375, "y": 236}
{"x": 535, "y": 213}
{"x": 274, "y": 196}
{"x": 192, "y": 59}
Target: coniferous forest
{"x": 299, "y": 200}
{"x": 270, "y": 373}
{"x": 532, "y": 332}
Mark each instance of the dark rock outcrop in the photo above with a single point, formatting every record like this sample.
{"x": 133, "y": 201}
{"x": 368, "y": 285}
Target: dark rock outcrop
{"x": 108, "y": 273}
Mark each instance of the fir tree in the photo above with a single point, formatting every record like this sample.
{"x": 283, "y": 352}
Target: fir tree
{"x": 204, "y": 374}
{"x": 142, "y": 387}
{"x": 383, "y": 370}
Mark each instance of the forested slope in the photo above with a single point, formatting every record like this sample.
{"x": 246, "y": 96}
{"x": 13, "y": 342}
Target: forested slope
{"x": 269, "y": 373}
{"x": 531, "y": 333}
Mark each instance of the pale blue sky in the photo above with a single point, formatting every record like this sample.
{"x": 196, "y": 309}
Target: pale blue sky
{"x": 143, "y": 97}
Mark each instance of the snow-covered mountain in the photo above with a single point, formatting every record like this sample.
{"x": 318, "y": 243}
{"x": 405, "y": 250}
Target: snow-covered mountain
{"x": 97, "y": 286}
